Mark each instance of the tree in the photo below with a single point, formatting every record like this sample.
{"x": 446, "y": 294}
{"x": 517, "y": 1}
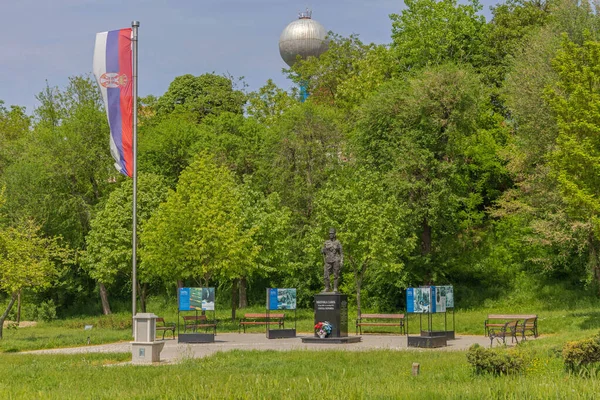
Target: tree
{"x": 575, "y": 161}
{"x": 306, "y": 144}
{"x": 14, "y": 124}
{"x": 27, "y": 260}
{"x": 324, "y": 75}
{"x": 198, "y": 233}
{"x": 268, "y": 103}
{"x": 108, "y": 255}
{"x": 435, "y": 139}
{"x": 166, "y": 148}
{"x": 200, "y": 96}
{"x": 370, "y": 224}
{"x": 430, "y": 32}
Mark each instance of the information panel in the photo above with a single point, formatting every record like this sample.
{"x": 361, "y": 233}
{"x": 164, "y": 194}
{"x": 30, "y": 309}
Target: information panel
{"x": 432, "y": 299}
{"x": 281, "y": 299}
{"x": 418, "y": 300}
{"x": 191, "y": 299}
{"x": 447, "y": 292}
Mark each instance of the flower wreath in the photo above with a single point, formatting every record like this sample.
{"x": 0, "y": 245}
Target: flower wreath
{"x": 323, "y": 329}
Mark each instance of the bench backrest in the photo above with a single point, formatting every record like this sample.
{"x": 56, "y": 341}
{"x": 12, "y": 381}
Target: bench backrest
{"x": 386, "y": 316}
{"x": 254, "y": 316}
{"x": 512, "y": 316}
{"x": 159, "y": 319}
{"x": 194, "y": 317}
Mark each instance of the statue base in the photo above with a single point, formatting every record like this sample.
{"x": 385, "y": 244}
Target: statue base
{"x": 333, "y": 308}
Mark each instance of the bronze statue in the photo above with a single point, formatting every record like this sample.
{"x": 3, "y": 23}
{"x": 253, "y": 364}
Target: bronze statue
{"x": 334, "y": 260}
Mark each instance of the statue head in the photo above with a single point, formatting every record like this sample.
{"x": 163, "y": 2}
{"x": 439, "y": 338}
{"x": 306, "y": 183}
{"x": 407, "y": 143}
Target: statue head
{"x": 332, "y": 233}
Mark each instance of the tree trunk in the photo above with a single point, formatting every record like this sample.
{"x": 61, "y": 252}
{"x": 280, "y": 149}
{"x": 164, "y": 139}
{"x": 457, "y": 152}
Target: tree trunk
{"x": 426, "y": 238}
{"x": 142, "y": 290}
{"x": 358, "y": 285}
{"x": 359, "y": 279}
{"x": 594, "y": 260}
{"x": 104, "y": 299}
{"x": 19, "y": 308}
{"x": 234, "y": 298}
{"x": 179, "y": 283}
{"x": 5, "y": 314}
{"x": 243, "y": 293}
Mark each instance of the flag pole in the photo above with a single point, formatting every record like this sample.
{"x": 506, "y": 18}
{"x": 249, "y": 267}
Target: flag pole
{"x": 134, "y": 25}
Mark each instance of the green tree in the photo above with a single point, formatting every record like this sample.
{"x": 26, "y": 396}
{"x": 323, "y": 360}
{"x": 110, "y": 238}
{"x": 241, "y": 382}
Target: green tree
{"x": 107, "y": 258}
{"x": 435, "y": 139}
{"x": 27, "y": 261}
{"x": 198, "y": 233}
{"x": 306, "y": 144}
{"x": 166, "y": 148}
{"x": 268, "y": 103}
{"x": 200, "y": 96}
{"x": 14, "y": 125}
{"x": 343, "y": 60}
{"x": 575, "y": 161}
{"x": 371, "y": 226}
{"x": 430, "y": 32}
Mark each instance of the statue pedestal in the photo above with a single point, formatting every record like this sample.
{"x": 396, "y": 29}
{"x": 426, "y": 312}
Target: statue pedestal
{"x": 333, "y": 308}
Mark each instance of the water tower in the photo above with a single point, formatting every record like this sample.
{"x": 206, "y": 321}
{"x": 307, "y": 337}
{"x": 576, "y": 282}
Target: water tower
{"x": 303, "y": 37}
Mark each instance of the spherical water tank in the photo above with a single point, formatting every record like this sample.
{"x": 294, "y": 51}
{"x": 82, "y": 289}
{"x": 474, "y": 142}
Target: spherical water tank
{"x": 304, "y": 37}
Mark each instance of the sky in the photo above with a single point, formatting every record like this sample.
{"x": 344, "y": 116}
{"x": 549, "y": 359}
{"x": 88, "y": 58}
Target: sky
{"x": 52, "y": 40}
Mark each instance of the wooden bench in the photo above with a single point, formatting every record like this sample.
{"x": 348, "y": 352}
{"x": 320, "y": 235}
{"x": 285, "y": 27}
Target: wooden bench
{"x": 164, "y": 327}
{"x": 262, "y": 319}
{"x": 380, "y": 320}
{"x": 498, "y": 321}
{"x": 500, "y": 333}
{"x": 194, "y": 322}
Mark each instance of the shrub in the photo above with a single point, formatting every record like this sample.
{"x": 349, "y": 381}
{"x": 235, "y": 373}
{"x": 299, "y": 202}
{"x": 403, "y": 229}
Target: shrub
{"x": 581, "y": 353}
{"x": 495, "y": 361}
{"x": 47, "y": 311}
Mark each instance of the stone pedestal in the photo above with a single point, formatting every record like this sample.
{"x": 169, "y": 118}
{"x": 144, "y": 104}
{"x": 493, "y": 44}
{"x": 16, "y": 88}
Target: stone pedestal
{"x": 145, "y": 349}
{"x": 333, "y": 308}
{"x": 146, "y": 353}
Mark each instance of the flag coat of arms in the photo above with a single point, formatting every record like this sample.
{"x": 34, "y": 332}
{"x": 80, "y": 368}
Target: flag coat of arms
{"x": 113, "y": 71}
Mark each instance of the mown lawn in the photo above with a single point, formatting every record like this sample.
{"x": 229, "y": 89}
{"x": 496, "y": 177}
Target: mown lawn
{"x": 294, "y": 374}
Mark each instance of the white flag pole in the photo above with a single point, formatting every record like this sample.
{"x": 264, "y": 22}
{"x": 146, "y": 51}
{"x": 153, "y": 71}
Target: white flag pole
{"x": 135, "y": 25}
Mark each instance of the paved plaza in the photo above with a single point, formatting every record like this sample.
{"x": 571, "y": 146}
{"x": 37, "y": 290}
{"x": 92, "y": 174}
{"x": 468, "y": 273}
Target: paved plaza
{"x": 174, "y": 351}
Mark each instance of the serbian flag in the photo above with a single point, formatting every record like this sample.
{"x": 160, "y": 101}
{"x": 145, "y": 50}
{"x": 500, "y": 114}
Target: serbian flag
{"x": 113, "y": 71}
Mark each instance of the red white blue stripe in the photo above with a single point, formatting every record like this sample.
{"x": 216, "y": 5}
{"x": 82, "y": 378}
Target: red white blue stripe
{"x": 113, "y": 72}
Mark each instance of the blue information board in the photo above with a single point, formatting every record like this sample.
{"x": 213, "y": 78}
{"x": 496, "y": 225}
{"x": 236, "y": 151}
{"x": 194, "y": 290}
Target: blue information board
{"x": 281, "y": 299}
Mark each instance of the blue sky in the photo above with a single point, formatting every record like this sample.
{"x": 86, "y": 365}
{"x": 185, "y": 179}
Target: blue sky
{"x": 50, "y": 40}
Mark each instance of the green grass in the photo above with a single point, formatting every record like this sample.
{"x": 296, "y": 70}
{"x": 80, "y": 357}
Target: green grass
{"x": 293, "y": 374}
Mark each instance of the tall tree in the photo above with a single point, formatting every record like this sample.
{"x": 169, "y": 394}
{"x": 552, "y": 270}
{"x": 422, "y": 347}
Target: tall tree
{"x": 434, "y": 137}
{"x": 430, "y": 32}
{"x": 198, "y": 233}
{"x": 370, "y": 224}
{"x": 107, "y": 258}
{"x": 575, "y": 161}
{"x": 200, "y": 96}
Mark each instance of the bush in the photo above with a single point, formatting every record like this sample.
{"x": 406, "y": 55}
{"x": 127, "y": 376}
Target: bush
{"x": 47, "y": 311}
{"x": 581, "y": 353}
{"x": 495, "y": 362}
